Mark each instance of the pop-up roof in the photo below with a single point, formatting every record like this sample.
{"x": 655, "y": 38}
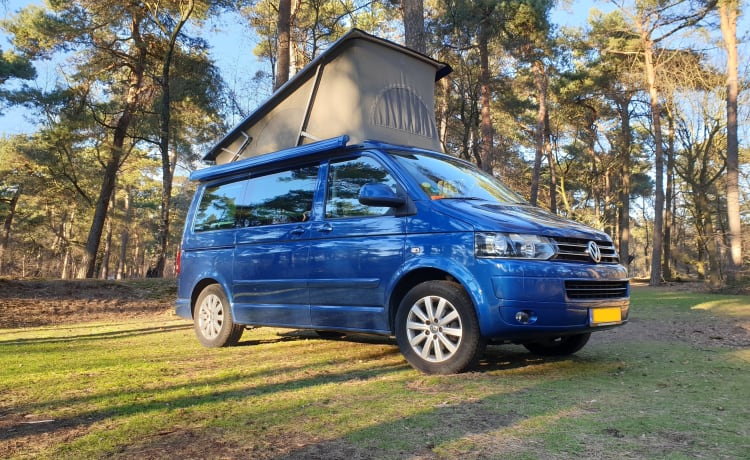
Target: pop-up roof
{"x": 361, "y": 86}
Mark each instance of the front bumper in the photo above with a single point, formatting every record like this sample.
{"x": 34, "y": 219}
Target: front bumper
{"x": 532, "y": 299}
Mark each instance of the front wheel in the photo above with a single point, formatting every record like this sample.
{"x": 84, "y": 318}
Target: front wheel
{"x": 212, "y": 319}
{"x": 437, "y": 328}
{"x": 558, "y": 346}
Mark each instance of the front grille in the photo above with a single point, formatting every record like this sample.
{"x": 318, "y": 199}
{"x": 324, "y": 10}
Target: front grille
{"x": 596, "y": 289}
{"x": 576, "y": 249}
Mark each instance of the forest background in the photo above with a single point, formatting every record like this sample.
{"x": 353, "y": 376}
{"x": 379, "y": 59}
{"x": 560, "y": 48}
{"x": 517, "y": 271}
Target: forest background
{"x": 636, "y": 123}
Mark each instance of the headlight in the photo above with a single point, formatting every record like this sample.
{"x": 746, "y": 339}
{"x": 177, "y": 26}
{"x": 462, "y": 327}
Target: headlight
{"x": 513, "y": 246}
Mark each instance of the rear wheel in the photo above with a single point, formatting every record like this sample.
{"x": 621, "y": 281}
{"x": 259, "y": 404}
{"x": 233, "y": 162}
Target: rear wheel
{"x": 558, "y": 346}
{"x": 437, "y": 328}
{"x": 212, "y": 319}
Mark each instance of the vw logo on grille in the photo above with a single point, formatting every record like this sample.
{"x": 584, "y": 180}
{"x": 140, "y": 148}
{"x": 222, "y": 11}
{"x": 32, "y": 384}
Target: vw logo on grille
{"x": 594, "y": 252}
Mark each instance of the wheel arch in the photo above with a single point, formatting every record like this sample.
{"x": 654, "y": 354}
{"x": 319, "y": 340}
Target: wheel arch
{"x": 198, "y": 288}
{"x": 414, "y": 277}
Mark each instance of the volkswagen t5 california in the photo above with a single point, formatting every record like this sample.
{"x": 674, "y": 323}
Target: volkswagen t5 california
{"x": 391, "y": 240}
{"x": 391, "y": 237}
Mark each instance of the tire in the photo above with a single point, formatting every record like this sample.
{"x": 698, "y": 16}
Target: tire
{"x": 437, "y": 329}
{"x": 558, "y": 346}
{"x": 212, "y": 319}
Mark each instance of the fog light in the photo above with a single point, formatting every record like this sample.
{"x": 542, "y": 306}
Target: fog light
{"x": 523, "y": 317}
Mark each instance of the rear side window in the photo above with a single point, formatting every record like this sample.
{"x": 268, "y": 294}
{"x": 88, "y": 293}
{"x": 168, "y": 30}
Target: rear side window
{"x": 276, "y": 198}
{"x": 345, "y": 178}
{"x": 218, "y": 208}
{"x": 279, "y": 198}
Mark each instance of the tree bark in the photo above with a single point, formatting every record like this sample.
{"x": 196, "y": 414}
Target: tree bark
{"x": 540, "y": 82}
{"x": 7, "y": 224}
{"x": 626, "y": 136}
{"x": 657, "y": 241}
{"x": 283, "y": 47}
{"x": 486, "y": 129}
{"x": 728, "y": 12}
{"x": 551, "y": 161}
{"x": 68, "y": 270}
{"x": 124, "y": 237}
{"x": 414, "y": 36}
{"x": 668, "y": 201}
{"x": 104, "y": 273}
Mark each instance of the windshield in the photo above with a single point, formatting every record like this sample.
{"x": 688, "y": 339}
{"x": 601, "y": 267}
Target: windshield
{"x": 442, "y": 178}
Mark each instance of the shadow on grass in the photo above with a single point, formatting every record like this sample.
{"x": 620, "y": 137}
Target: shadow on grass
{"x": 411, "y": 437}
{"x": 246, "y": 385}
{"x": 16, "y": 424}
{"x": 98, "y": 335}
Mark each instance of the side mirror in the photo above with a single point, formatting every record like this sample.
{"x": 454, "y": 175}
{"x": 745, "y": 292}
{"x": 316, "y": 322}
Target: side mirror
{"x": 375, "y": 194}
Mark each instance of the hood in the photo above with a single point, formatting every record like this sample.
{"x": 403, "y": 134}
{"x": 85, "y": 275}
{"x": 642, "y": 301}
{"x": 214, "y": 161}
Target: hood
{"x": 517, "y": 218}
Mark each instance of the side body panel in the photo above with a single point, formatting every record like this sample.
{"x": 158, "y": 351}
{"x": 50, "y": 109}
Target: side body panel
{"x": 270, "y": 275}
{"x": 354, "y": 249}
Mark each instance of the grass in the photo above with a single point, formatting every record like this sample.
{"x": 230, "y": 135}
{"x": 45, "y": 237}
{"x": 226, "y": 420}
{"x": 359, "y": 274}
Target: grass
{"x": 147, "y": 389}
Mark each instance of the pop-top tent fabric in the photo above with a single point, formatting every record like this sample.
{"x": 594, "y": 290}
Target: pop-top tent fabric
{"x": 362, "y": 86}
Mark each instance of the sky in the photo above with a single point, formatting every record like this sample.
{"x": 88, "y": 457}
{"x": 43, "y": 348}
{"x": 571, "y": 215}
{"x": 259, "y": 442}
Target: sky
{"x": 232, "y": 48}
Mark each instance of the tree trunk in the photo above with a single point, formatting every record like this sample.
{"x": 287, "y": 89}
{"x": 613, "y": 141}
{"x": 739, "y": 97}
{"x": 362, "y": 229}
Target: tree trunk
{"x": 138, "y": 257}
{"x": 626, "y": 137}
{"x": 708, "y": 238}
{"x": 729, "y": 11}
{"x": 116, "y": 156}
{"x": 124, "y": 236}
{"x": 167, "y": 178}
{"x": 657, "y": 241}
{"x": 414, "y": 36}
{"x": 540, "y": 83}
{"x": 166, "y": 207}
{"x": 551, "y": 161}
{"x": 167, "y": 160}
{"x": 668, "y": 201}
{"x": 68, "y": 269}
{"x": 104, "y": 274}
{"x": 67, "y": 262}
{"x": 486, "y": 129}
{"x": 88, "y": 264}
{"x": 564, "y": 198}
{"x": 283, "y": 47}
{"x": 444, "y": 94}
{"x": 5, "y": 240}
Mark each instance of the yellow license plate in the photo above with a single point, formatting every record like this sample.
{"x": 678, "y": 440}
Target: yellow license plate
{"x": 605, "y": 315}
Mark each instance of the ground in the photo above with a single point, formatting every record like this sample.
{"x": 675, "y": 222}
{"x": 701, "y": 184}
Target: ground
{"x": 34, "y": 303}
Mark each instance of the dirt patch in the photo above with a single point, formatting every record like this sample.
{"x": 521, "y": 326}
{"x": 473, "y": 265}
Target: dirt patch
{"x": 30, "y": 303}
{"x": 709, "y": 330}
{"x": 713, "y": 331}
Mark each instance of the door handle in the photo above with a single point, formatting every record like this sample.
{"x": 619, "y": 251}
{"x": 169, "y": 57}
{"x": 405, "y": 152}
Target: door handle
{"x": 325, "y": 228}
{"x": 298, "y": 231}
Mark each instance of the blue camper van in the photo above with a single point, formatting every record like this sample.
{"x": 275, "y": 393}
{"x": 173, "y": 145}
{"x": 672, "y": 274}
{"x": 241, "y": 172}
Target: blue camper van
{"x": 354, "y": 235}
{"x": 391, "y": 240}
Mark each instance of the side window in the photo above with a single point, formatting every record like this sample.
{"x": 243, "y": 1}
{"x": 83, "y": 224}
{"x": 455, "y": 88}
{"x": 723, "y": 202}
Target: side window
{"x": 345, "y": 178}
{"x": 279, "y": 198}
{"x": 218, "y": 208}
